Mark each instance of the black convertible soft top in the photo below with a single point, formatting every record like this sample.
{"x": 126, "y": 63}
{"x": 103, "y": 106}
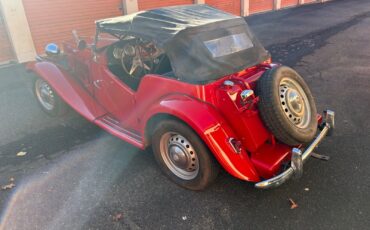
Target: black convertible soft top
{"x": 202, "y": 43}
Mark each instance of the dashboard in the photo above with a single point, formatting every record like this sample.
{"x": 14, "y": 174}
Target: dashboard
{"x": 135, "y": 56}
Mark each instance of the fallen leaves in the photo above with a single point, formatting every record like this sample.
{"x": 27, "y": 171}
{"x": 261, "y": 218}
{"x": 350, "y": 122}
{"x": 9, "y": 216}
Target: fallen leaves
{"x": 293, "y": 205}
{"x": 21, "y": 154}
{"x": 10, "y": 185}
{"x": 117, "y": 217}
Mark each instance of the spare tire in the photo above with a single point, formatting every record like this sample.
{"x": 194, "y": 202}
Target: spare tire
{"x": 286, "y": 106}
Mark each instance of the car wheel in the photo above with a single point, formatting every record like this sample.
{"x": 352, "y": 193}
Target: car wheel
{"x": 49, "y": 101}
{"x": 287, "y": 106}
{"x": 183, "y": 156}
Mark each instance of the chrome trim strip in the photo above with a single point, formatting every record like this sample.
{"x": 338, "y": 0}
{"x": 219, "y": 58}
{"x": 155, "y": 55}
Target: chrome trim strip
{"x": 115, "y": 125}
{"x": 298, "y": 159}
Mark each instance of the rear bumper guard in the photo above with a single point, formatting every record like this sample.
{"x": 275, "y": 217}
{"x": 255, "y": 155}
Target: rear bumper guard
{"x": 298, "y": 158}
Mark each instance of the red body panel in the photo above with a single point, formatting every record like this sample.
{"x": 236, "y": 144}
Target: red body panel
{"x": 113, "y": 95}
{"x": 214, "y": 111}
{"x": 212, "y": 128}
{"x": 68, "y": 89}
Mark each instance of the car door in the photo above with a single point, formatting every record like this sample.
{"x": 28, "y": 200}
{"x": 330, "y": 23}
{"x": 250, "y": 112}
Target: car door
{"x": 116, "y": 97}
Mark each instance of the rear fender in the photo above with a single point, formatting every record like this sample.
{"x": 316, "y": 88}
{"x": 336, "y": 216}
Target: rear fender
{"x": 212, "y": 129}
{"x": 68, "y": 89}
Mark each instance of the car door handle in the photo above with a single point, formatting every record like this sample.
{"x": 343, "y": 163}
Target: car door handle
{"x": 97, "y": 83}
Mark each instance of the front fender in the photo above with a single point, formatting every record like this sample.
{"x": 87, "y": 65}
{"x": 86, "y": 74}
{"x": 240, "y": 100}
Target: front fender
{"x": 68, "y": 89}
{"x": 213, "y": 130}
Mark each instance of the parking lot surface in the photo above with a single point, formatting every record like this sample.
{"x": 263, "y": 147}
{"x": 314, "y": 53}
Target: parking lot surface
{"x": 75, "y": 176}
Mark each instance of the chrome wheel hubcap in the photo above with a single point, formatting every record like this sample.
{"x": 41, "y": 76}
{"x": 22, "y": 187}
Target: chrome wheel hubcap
{"x": 294, "y": 103}
{"x": 179, "y": 156}
{"x": 45, "y": 94}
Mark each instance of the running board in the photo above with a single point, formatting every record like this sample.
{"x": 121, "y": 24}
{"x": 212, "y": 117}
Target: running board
{"x": 114, "y": 127}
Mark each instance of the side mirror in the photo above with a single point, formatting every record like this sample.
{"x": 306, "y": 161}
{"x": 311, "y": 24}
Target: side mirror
{"x": 52, "y": 49}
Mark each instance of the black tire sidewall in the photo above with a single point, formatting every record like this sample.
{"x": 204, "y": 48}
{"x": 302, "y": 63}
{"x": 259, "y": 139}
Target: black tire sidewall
{"x": 208, "y": 167}
{"x": 297, "y": 135}
{"x": 60, "y": 107}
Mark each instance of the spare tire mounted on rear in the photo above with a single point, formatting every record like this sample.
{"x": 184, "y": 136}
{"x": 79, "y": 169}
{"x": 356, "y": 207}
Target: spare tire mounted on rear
{"x": 286, "y": 106}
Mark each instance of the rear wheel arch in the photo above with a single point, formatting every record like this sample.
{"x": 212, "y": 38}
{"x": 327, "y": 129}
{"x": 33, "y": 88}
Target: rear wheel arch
{"x": 212, "y": 130}
{"x": 153, "y": 122}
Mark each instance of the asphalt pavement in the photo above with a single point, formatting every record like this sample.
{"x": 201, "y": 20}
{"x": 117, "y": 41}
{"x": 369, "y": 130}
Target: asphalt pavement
{"x": 75, "y": 176}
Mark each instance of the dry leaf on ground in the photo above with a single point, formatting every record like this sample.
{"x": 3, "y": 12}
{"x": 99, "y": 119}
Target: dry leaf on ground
{"x": 293, "y": 204}
{"x": 117, "y": 217}
{"x": 8, "y": 186}
{"x": 21, "y": 154}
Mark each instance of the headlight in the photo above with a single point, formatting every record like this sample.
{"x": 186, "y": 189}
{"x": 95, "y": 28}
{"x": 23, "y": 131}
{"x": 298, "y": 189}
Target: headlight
{"x": 52, "y": 49}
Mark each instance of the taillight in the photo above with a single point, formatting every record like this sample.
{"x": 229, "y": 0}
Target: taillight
{"x": 246, "y": 95}
{"x": 240, "y": 93}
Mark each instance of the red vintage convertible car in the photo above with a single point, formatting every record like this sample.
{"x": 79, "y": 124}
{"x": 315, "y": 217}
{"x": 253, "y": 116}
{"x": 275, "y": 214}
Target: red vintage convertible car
{"x": 193, "y": 83}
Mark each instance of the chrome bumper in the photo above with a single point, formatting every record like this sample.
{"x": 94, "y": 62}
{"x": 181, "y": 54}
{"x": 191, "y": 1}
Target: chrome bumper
{"x": 298, "y": 158}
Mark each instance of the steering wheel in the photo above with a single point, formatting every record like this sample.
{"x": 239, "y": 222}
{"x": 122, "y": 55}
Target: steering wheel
{"x": 132, "y": 62}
